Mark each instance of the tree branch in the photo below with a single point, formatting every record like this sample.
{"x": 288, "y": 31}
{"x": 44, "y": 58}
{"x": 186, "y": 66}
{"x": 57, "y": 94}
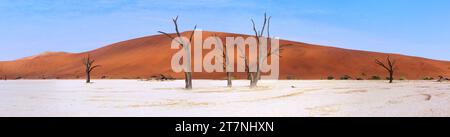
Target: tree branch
{"x": 264, "y": 25}
{"x": 254, "y": 28}
{"x": 92, "y": 68}
{"x": 381, "y": 64}
{"x": 175, "y": 22}
{"x": 192, "y": 34}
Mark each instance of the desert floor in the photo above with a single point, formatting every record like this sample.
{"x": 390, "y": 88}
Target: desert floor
{"x": 213, "y": 98}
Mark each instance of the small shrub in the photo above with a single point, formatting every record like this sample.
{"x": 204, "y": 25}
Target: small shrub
{"x": 345, "y": 77}
{"x": 375, "y": 78}
{"x": 427, "y": 78}
{"x": 402, "y": 78}
{"x": 290, "y": 77}
{"x": 330, "y": 77}
{"x": 170, "y": 78}
{"x": 153, "y": 77}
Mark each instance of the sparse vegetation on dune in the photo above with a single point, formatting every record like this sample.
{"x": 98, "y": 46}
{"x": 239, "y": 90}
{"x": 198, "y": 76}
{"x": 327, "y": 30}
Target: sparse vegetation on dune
{"x": 291, "y": 77}
{"x": 345, "y": 77}
{"x": 160, "y": 77}
{"x": 375, "y": 77}
{"x": 427, "y": 78}
{"x": 330, "y": 77}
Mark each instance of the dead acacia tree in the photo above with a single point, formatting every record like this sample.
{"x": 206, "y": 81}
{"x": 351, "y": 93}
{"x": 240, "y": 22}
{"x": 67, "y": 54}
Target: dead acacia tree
{"x": 188, "y": 75}
{"x": 226, "y": 61}
{"x": 255, "y": 76}
{"x": 390, "y": 67}
{"x": 227, "y": 64}
{"x": 442, "y": 78}
{"x": 89, "y": 66}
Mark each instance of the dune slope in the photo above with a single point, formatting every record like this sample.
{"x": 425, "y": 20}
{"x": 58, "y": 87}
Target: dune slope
{"x": 151, "y": 55}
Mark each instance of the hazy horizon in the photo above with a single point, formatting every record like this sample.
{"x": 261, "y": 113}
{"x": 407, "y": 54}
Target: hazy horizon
{"x": 415, "y": 28}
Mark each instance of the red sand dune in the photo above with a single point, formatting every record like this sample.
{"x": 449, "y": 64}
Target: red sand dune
{"x": 148, "y": 56}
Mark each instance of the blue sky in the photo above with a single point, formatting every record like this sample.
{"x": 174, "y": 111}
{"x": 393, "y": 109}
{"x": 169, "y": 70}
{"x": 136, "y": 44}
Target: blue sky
{"x": 411, "y": 27}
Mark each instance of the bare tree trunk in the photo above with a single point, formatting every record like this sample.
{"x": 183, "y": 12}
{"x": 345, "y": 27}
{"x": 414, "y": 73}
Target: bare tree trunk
{"x": 257, "y": 75}
{"x": 391, "y": 76}
{"x": 252, "y": 80}
{"x": 188, "y": 80}
{"x": 88, "y": 77}
{"x": 88, "y": 73}
{"x": 229, "y": 84}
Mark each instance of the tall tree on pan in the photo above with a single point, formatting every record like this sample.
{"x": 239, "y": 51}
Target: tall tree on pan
{"x": 390, "y": 67}
{"x": 188, "y": 75}
{"x": 226, "y": 60}
{"x": 89, "y": 66}
{"x": 256, "y": 76}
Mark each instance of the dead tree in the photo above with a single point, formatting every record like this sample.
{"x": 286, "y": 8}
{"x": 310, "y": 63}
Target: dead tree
{"x": 442, "y": 78}
{"x": 225, "y": 61}
{"x": 188, "y": 75}
{"x": 89, "y": 66}
{"x": 256, "y": 76}
{"x": 390, "y": 67}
